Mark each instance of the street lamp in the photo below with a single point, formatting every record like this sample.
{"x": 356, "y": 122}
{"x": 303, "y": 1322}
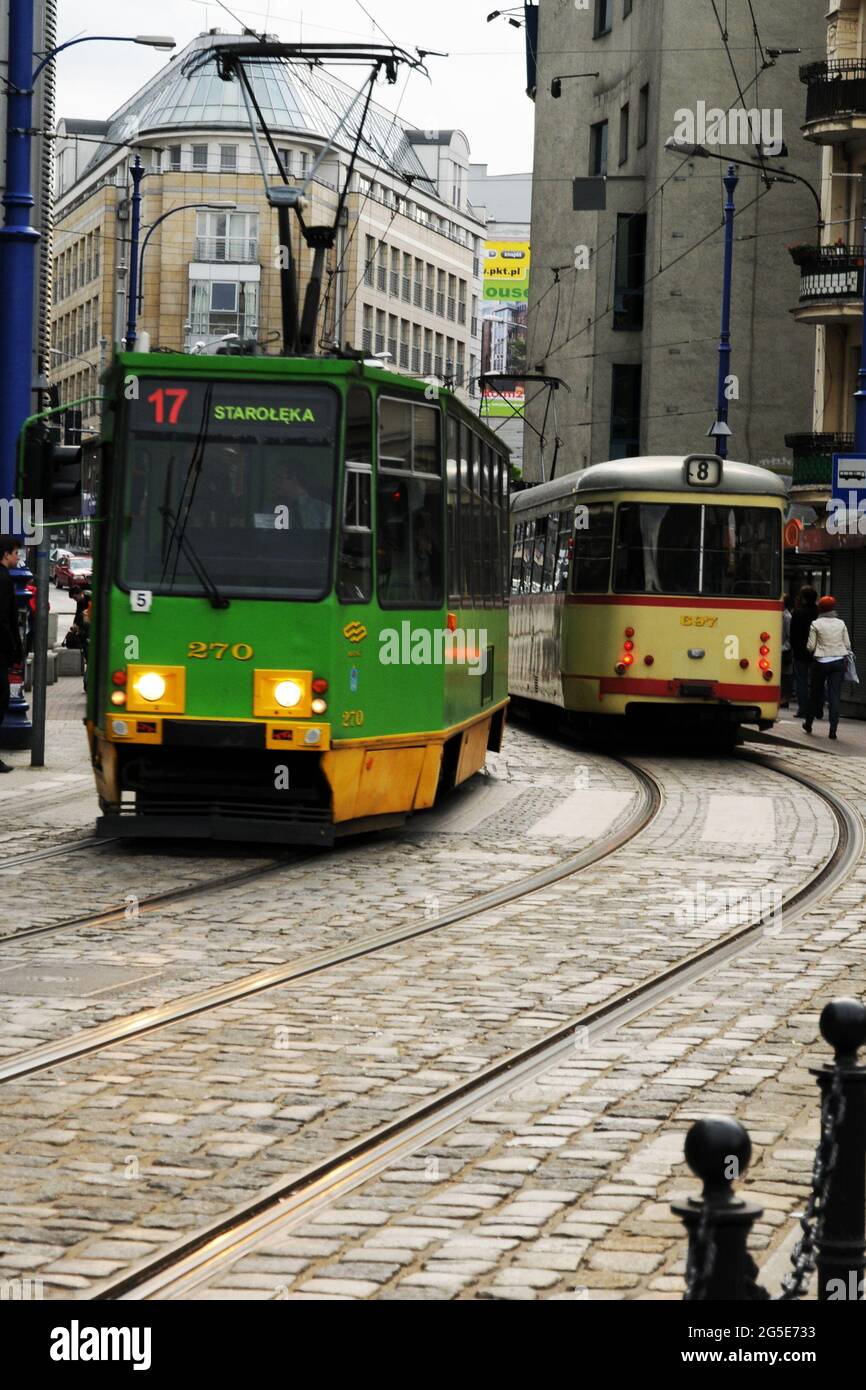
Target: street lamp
{"x": 18, "y": 240}
{"x": 139, "y": 299}
{"x": 556, "y": 82}
{"x": 720, "y": 430}
{"x": 682, "y": 147}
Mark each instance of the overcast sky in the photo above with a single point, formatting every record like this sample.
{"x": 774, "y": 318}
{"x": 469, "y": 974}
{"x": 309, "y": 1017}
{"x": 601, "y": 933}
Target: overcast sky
{"x": 480, "y": 88}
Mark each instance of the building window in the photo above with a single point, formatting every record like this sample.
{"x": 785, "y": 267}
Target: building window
{"x": 623, "y": 134}
{"x": 630, "y": 271}
{"x": 404, "y": 344}
{"x": 285, "y": 162}
{"x": 643, "y": 116}
{"x": 228, "y": 158}
{"x": 394, "y": 277}
{"x": 440, "y": 293}
{"x": 221, "y": 307}
{"x": 368, "y": 328}
{"x": 625, "y": 411}
{"x": 406, "y": 286}
{"x": 598, "y": 148}
{"x": 369, "y": 258}
{"x": 452, "y": 297}
{"x": 382, "y": 268}
{"x": 603, "y": 18}
{"x": 461, "y": 304}
{"x": 174, "y": 153}
{"x": 227, "y": 236}
{"x": 428, "y": 289}
{"x": 392, "y": 338}
{"x": 380, "y": 330}
{"x": 626, "y": 8}
{"x": 416, "y": 349}
{"x": 199, "y": 156}
{"x": 418, "y": 285}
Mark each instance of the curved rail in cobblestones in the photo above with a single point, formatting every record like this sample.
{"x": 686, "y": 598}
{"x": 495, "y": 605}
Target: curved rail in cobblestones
{"x": 70, "y": 847}
{"x": 117, "y": 914}
{"x": 190, "y": 1262}
{"x": 148, "y": 1020}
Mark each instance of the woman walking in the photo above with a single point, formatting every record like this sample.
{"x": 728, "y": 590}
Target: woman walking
{"x": 829, "y": 645}
{"x": 805, "y": 613}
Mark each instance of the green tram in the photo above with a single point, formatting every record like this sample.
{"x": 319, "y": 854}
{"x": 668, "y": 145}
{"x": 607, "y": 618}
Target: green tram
{"x": 299, "y": 608}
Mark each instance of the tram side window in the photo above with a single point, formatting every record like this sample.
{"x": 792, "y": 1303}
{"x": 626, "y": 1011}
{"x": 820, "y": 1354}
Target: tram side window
{"x": 503, "y": 525}
{"x": 409, "y": 495}
{"x": 517, "y": 558}
{"x": 592, "y": 542}
{"x": 467, "y": 537}
{"x": 563, "y": 551}
{"x": 488, "y": 550}
{"x": 528, "y": 549}
{"x": 355, "y": 569}
{"x": 538, "y": 554}
{"x": 550, "y": 552}
{"x": 454, "y": 530}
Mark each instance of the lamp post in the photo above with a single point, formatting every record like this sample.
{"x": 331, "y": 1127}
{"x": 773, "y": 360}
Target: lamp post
{"x": 18, "y": 240}
{"x": 860, "y": 393}
{"x": 720, "y": 430}
{"x": 136, "y": 280}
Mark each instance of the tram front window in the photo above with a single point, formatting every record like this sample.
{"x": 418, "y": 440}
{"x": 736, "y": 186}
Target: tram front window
{"x": 659, "y": 550}
{"x": 233, "y": 489}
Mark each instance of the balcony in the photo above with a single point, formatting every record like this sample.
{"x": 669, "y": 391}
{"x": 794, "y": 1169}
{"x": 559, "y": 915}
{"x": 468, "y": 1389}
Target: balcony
{"x": 831, "y": 283}
{"x": 835, "y": 99}
{"x": 813, "y": 463}
{"x": 239, "y": 250}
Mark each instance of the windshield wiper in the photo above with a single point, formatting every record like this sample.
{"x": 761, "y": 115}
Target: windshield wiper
{"x": 178, "y": 537}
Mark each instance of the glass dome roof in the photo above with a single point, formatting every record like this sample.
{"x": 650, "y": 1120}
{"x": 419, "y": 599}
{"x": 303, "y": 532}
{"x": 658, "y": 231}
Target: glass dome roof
{"x": 294, "y": 99}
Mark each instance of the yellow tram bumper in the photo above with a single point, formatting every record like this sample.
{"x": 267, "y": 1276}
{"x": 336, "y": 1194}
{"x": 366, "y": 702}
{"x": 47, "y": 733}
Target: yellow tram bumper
{"x": 295, "y": 735}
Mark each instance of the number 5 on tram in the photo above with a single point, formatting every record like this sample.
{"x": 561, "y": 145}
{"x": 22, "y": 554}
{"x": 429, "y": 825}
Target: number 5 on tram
{"x": 650, "y": 587}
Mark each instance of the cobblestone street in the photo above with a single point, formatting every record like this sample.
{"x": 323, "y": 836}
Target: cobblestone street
{"x": 558, "y": 1190}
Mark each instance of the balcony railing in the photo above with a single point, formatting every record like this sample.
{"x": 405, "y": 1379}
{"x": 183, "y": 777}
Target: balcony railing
{"x": 829, "y": 272}
{"x": 239, "y": 250}
{"x": 813, "y": 457}
{"x": 836, "y": 87}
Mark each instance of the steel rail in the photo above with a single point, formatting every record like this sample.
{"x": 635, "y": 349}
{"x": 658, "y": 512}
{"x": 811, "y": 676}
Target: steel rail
{"x": 188, "y": 1263}
{"x": 203, "y": 1001}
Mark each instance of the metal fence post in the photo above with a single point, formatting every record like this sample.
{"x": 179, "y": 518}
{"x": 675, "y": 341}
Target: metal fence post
{"x": 841, "y": 1232}
{"x": 719, "y": 1266}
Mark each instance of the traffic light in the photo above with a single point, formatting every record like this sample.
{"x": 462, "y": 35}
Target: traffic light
{"x": 51, "y": 472}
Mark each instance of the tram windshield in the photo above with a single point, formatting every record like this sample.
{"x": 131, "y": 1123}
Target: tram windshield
{"x": 230, "y": 487}
{"x": 676, "y": 548}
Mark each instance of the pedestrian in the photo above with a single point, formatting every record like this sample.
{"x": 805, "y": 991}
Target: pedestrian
{"x": 830, "y": 646}
{"x": 11, "y": 650}
{"x": 786, "y": 667}
{"x": 802, "y": 618}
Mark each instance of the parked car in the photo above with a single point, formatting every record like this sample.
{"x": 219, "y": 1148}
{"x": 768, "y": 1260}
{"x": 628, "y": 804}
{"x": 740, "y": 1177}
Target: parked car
{"x": 58, "y": 554}
{"x": 73, "y": 569}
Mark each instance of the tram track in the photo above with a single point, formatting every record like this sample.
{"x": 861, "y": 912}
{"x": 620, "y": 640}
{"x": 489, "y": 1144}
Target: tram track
{"x": 179, "y": 1269}
{"x": 155, "y": 900}
{"x": 46, "y": 1055}
{"x": 51, "y": 851}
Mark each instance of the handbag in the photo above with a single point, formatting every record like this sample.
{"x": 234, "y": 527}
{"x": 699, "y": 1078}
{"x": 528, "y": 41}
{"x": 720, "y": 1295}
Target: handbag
{"x": 851, "y": 670}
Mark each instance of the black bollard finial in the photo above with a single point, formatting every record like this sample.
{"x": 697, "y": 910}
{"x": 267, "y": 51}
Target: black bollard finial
{"x": 843, "y": 1026}
{"x": 718, "y": 1151}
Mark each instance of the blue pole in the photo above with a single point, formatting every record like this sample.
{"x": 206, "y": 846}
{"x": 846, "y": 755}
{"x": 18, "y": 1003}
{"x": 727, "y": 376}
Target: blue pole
{"x": 137, "y": 173}
{"x": 860, "y": 393}
{"x": 730, "y": 181}
{"x": 18, "y": 243}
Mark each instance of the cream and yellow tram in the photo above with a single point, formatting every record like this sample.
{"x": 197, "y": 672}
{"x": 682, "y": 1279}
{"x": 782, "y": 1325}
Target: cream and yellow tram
{"x": 650, "y": 587}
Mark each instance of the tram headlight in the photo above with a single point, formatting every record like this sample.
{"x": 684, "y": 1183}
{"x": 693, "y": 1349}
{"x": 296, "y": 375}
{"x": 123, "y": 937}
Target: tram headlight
{"x": 319, "y": 706}
{"x": 151, "y": 686}
{"x": 288, "y": 694}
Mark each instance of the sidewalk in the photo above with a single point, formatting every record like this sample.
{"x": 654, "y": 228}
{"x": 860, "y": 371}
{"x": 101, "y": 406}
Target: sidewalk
{"x": 60, "y": 794}
{"x": 789, "y": 729}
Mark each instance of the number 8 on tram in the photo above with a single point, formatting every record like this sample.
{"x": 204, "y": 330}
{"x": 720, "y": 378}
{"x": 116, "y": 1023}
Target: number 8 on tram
{"x": 650, "y": 587}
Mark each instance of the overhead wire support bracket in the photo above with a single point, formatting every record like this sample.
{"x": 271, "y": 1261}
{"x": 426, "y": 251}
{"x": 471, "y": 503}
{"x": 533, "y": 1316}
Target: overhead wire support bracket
{"x": 299, "y": 334}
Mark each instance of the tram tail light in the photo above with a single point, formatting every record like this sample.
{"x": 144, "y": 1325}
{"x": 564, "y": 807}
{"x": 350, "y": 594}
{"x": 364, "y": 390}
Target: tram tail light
{"x": 118, "y": 678}
{"x": 765, "y": 651}
{"x": 764, "y": 664}
{"x": 620, "y": 669}
{"x": 744, "y": 663}
{"x": 768, "y": 675}
{"x": 320, "y": 685}
{"x": 648, "y": 660}
{"x": 765, "y": 636}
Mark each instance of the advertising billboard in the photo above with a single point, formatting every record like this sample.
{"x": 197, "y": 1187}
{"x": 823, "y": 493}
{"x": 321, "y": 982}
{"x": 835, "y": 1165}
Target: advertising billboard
{"x": 503, "y": 324}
